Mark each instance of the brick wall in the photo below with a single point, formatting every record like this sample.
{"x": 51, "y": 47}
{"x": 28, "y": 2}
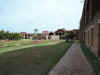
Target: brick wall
{"x": 90, "y": 35}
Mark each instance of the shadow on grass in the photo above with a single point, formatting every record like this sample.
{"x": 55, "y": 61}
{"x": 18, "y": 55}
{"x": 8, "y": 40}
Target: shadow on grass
{"x": 33, "y": 60}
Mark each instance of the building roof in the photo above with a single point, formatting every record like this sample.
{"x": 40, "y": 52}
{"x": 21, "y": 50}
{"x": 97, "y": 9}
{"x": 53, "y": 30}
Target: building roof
{"x": 60, "y": 30}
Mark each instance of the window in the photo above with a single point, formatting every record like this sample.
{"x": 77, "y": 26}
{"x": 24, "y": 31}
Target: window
{"x": 92, "y": 36}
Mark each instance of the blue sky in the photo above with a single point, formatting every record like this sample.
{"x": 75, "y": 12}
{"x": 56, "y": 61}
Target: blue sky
{"x": 26, "y": 15}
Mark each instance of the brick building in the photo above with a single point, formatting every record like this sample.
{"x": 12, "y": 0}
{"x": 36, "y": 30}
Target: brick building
{"x": 26, "y": 35}
{"x": 90, "y": 25}
{"x": 50, "y": 36}
{"x": 45, "y": 35}
{"x": 60, "y": 32}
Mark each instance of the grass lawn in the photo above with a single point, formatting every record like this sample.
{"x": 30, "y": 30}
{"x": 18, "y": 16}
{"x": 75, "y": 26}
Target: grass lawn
{"x": 17, "y": 45}
{"x": 34, "y": 60}
{"x": 92, "y": 59}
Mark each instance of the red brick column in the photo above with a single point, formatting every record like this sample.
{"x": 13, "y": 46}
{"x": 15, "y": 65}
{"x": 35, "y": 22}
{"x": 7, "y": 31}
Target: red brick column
{"x": 99, "y": 40}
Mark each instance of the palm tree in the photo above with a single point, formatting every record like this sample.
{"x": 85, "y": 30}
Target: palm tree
{"x": 35, "y": 34}
{"x": 35, "y": 30}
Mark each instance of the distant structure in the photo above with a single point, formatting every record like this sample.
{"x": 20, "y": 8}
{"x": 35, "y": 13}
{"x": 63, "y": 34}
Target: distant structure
{"x": 90, "y": 25}
{"x": 45, "y": 35}
{"x": 49, "y": 36}
{"x": 60, "y": 32}
{"x": 53, "y": 36}
{"x": 26, "y": 35}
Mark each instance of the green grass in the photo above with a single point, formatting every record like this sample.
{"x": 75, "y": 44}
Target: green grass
{"x": 17, "y": 45}
{"x": 92, "y": 59}
{"x": 32, "y": 60}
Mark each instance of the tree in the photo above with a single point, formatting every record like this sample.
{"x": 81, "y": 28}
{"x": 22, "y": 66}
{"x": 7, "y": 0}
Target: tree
{"x": 6, "y": 35}
{"x": 2, "y": 34}
{"x": 69, "y": 36}
{"x": 35, "y": 30}
{"x": 35, "y": 34}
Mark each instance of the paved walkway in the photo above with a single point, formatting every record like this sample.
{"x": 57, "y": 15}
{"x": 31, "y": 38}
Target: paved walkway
{"x": 73, "y": 63}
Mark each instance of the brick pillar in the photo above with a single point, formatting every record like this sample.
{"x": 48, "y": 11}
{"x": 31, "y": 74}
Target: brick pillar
{"x": 89, "y": 37}
{"x": 98, "y": 40}
{"x": 84, "y": 36}
{"x": 81, "y": 36}
{"x": 91, "y": 9}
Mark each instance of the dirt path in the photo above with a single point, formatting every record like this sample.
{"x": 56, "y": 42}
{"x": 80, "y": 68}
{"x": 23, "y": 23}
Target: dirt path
{"x": 73, "y": 63}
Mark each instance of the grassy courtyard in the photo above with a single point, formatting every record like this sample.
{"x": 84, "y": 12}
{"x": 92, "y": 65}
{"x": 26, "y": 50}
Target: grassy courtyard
{"x": 17, "y": 45}
{"x": 30, "y": 59}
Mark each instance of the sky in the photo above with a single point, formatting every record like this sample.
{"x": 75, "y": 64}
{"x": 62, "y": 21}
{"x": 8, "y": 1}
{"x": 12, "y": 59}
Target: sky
{"x": 27, "y": 15}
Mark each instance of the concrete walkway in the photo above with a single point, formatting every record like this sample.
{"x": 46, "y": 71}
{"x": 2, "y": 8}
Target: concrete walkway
{"x": 73, "y": 63}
